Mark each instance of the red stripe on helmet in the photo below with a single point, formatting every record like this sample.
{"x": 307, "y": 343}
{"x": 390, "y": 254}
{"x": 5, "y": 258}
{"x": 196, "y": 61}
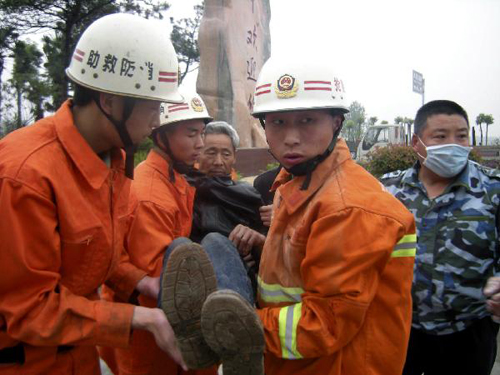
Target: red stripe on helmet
{"x": 178, "y": 109}
{"x": 263, "y": 86}
{"x": 318, "y": 82}
{"x": 177, "y": 105}
{"x": 318, "y": 88}
{"x": 262, "y": 92}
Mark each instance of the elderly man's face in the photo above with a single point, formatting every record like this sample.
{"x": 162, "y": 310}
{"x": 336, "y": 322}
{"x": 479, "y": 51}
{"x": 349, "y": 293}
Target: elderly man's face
{"x": 218, "y": 156}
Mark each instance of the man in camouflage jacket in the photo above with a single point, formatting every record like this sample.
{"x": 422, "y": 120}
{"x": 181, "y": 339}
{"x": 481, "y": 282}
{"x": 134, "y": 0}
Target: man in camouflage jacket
{"x": 455, "y": 203}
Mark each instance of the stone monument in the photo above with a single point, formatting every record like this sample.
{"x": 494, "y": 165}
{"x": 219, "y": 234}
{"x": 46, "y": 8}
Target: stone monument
{"x": 234, "y": 42}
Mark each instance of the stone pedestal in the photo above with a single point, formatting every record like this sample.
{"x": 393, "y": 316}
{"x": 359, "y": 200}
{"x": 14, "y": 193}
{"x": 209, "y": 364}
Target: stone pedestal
{"x": 234, "y": 42}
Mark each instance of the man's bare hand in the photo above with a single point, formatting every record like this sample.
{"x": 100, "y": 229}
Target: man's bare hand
{"x": 149, "y": 286}
{"x": 249, "y": 261}
{"x": 245, "y": 238}
{"x": 492, "y": 292}
{"x": 155, "y": 321}
{"x": 266, "y": 214}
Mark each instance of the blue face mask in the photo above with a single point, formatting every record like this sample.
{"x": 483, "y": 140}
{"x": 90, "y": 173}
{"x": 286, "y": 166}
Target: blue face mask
{"x": 446, "y": 160}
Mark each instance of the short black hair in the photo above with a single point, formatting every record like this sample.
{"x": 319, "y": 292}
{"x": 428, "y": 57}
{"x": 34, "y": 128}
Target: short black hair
{"x": 437, "y": 107}
{"x": 83, "y": 95}
{"x": 161, "y": 132}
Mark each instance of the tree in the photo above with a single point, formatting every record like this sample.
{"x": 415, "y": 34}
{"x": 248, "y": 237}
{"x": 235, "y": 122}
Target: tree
{"x": 480, "y": 124}
{"x": 67, "y": 20}
{"x": 353, "y": 131}
{"x": 26, "y": 79}
{"x": 404, "y": 121}
{"x": 185, "y": 40}
{"x": 7, "y": 38}
{"x": 384, "y": 122}
{"x": 487, "y": 120}
{"x": 54, "y": 66}
{"x": 373, "y": 120}
{"x": 348, "y": 132}
{"x": 408, "y": 122}
{"x": 9, "y": 121}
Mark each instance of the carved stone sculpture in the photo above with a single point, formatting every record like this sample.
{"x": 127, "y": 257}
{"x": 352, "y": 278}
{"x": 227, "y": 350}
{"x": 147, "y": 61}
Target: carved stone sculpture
{"x": 234, "y": 42}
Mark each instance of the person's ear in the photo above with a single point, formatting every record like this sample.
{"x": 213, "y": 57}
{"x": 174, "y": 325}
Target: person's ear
{"x": 414, "y": 142}
{"x": 108, "y": 102}
{"x": 337, "y": 122}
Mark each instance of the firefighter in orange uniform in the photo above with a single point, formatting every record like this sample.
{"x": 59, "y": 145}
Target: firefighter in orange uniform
{"x": 337, "y": 266}
{"x": 63, "y": 197}
{"x": 161, "y": 210}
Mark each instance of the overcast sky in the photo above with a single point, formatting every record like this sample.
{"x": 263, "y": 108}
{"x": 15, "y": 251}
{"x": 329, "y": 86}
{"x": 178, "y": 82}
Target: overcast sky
{"x": 375, "y": 44}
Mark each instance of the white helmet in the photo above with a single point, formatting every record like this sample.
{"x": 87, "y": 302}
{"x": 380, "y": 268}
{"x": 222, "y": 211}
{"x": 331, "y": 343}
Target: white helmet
{"x": 192, "y": 108}
{"x": 290, "y": 85}
{"x": 127, "y": 55}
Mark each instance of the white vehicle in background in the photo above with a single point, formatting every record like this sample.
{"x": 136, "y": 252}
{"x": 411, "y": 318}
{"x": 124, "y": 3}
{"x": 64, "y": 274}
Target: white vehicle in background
{"x": 380, "y": 136}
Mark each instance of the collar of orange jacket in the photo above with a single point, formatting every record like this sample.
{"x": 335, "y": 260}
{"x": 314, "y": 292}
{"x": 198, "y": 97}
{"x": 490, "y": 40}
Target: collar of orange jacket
{"x": 161, "y": 165}
{"x": 289, "y": 187}
{"x": 92, "y": 167}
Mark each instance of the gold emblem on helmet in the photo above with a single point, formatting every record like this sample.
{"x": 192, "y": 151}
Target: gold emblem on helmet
{"x": 197, "y": 105}
{"x": 286, "y": 87}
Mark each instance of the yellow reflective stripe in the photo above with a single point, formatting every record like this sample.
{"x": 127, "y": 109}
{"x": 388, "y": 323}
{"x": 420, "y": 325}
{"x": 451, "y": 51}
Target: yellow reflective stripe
{"x": 404, "y": 253}
{"x": 406, "y": 247}
{"x": 288, "y": 321}
{"x": 278, "y": 293}
{"x": 408, "y": 238}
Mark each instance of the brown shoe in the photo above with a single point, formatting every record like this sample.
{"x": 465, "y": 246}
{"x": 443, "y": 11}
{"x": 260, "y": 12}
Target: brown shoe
{"x": 234, "y": 331}
{"x": 187, "y": 281}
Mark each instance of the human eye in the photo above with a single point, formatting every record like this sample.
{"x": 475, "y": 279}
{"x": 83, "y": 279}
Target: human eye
{"x": 276, "y": 122}
{"x": 306, "y": 120}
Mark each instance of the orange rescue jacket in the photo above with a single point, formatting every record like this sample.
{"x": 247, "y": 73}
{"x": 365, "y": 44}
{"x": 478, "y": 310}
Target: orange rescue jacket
{"x": 61, "y": 236}
{"x": 336, "y": 273}
{"x": 159, "y": 212}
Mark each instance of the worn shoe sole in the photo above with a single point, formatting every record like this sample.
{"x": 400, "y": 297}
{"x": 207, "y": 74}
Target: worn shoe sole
{"x": 188, "y": 280}
{"x": 233, "y": 330}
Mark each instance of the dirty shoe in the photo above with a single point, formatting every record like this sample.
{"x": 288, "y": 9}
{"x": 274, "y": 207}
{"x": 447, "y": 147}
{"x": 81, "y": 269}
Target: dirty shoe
{"x": 234, "y": 331}
{"x": 187, "y": 281}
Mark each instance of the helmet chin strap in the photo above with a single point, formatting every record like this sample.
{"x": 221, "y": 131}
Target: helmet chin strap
{"x": 128, "y": 145}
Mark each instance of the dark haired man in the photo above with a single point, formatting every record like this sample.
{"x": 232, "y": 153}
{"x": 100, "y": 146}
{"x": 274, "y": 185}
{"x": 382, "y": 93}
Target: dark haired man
{"x": 455, "y": 204}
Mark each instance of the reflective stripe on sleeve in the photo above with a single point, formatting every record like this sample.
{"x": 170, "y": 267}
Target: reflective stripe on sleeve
{"x": 288, "y": 321}
{"x": 278, "y": 293}
{"x": 406, "y": 247}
